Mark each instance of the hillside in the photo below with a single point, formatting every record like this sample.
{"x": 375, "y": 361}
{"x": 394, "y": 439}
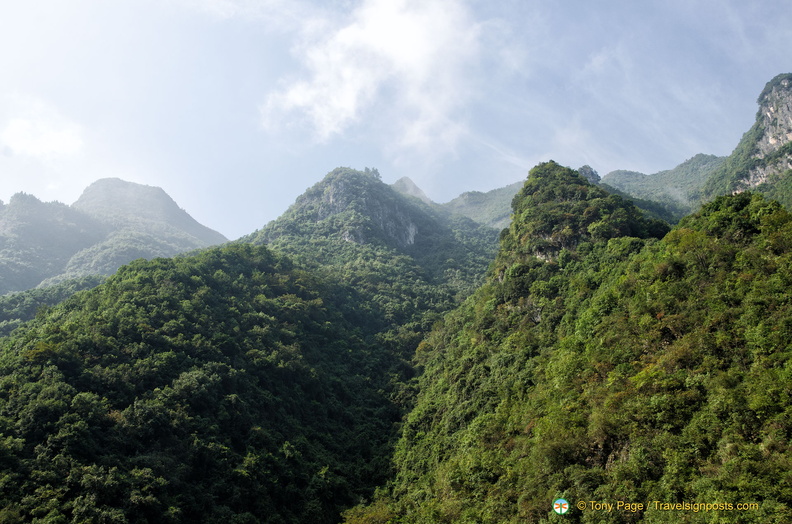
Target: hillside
{"x": 586, "y": 368}
{"x": 225, "y": 386}
{"x": 17, "y": 308}
{"x": 400, "y": 256}
{"x": 113, "y": 222}
{"x": 492, "y": 208}
{"x": 137, "y": 206}
{"x": 38, "y": 239}
{"x": 676, "y": 188}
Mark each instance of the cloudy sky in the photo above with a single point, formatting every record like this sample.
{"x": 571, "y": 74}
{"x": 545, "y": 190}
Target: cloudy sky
{"x": 235, "y": 107}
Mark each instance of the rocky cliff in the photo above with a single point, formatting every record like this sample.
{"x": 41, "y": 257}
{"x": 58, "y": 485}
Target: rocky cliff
{"x": 762, "y": 161}
{"x": 775, "y": 121}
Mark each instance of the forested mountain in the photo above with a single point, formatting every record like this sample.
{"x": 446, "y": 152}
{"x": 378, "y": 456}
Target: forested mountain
{"x": 371, "y": 356}
{"x": 401, "y": 256}
{"x": 235, "y": 384}
{"x": 222, "y": 387}
{"x": 17, "y": 308}
{"x": 492, "y": 208}
{"x": 600, "y": 363}
{"x": 37, "y": 240}
{"x": 678, "y": 188}
{"x": 111, "y": 224}
{"x": 145, "y": 208}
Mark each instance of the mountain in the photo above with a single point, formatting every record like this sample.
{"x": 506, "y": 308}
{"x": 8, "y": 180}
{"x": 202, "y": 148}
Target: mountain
{"x": 245, "y": 383}
{"x": 354, "y": 223}
{"x": 141, "y": 207}
{"x": 677, "y": 188}
{"x": 492, "y": 208}
{"x": 406, "y": 186}
{"x": 38, "y": 239}
{"x": 226, "y": 386}
{"x": 605, "y": 361}
{"x": 112, "y": 223}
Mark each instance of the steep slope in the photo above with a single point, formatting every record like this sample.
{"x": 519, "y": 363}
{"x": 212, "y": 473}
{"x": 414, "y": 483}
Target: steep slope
{"x": 111, "y": 224}
{"x": 598, "y": 366}
{"x": 140, "y": 207}
{"x": 400, "y": 257}
{"x": 221, "y": 387}
{"x": 762, "y": 161}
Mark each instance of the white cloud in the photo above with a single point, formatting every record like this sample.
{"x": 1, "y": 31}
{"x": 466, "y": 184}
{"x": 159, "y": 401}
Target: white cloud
{"x": 34, "y": 128}
{"x": 280, "y": 15}
{"x": 401, "y": 66}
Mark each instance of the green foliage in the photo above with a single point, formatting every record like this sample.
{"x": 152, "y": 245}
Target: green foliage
{"x": 223, "y": 386}
{"x": 595, "y": 365}
{"x": 726, "y": 178}
{"x": 113, "y": 223}
{"x": 669, "y": 194}
{"x": 16, "y": 308}
{"x": 399, "y": 262}
{"x": 492, "y": 208}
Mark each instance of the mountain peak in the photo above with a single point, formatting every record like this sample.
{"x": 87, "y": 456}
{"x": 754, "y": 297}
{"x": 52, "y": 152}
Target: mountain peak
{"x": 406, "y": 186}
{"x": 122, "y": 202}
{"x": 557, "y": 208}
{"x": 113, "y": 197}
{"x": 352, "y": 205}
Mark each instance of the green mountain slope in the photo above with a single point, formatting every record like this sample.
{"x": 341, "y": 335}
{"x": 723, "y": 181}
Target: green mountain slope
{"x": 600, "y": 364}
{"x": 17, "y": 308}
{"x": 399, "y": 257}
{"x": 677, "y": 188}
{"x": 492, "y": 208}
{"x": 225, "y": 386}
{"x": 111, "y": 224}
{"x": 37, "y": 240}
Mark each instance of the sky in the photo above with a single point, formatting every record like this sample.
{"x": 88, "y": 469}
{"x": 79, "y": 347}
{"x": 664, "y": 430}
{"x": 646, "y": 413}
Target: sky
{"x": 236, "y": 107}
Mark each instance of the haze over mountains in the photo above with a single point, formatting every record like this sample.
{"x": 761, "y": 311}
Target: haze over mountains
{"x": 371, "y": 356}
{"x": 112, "y": 223}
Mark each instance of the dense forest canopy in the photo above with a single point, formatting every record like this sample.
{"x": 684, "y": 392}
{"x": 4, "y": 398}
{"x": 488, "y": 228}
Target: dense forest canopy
{"x": 225, "y": 385}
{"x": 608, "y": 367}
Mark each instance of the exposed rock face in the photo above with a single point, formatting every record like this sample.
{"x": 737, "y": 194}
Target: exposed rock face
{"x": 775, "y": 115}
{"x": 774, "y": 119}
{"x": 361, "y": 194}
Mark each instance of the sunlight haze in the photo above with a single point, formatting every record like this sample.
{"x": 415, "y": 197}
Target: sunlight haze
{"x": 235, "y": 107}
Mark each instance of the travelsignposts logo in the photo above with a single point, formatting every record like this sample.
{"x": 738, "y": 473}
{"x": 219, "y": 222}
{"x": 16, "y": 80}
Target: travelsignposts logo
{"x": 560, "y": 506}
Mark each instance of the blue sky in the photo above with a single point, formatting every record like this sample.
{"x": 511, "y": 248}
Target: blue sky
{"x": 235, "y": 107}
